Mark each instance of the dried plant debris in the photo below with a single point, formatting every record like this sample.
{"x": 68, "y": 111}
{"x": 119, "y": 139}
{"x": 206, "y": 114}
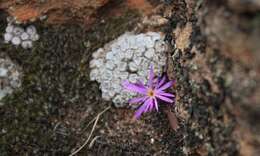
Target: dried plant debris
{"x": 126, "y": 58}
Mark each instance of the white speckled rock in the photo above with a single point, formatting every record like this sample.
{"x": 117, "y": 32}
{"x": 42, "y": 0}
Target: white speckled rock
{"x": 8, "y": 37}
{"x": 107, "y": 75}
{"x": 133, "y": 78}
{"x": 105, "y": 96}
{"x": 127, "y": 58}
{"x": 129, "y": 54}
{"x": 137, "y": 60}
{"x": 3, "y": 72}
{"x": 122, "y": 66}
{"x": 93, "y": 74}
{"x": 98, "y": 53}
{"x": 96, "y": 63}
{"x": 109, "y": 55}
{"x": 24, "y": 36}
{"x": 149, "y": 53}
{"x": 18, "y": 36}
{"x": 117, "y": 100}
{"x": 16, "y": 41}
{"x": 34, "y": 37}
{"x": 27, "y": 44}
{"x": 9, "y": 28}
{"x": 133, "y": 66}
{"x": 110, "y": 65}
{"x": 10, "y": 77}
{"x": 18, "y": 31}
{"x": 31, "y": 30}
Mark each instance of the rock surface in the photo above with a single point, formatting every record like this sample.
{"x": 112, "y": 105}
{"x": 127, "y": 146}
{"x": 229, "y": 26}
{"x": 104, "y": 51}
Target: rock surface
{"x": 217, "y": 89}
{"x": 233, "y": 30}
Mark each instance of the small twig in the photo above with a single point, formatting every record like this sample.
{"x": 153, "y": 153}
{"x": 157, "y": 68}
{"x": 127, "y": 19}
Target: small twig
{"x": 92, "y": 130}
{"x": 62, "y": 133}
{"x": 85, "y": 143}
{"x": 56, "y": 126}
{"x": 93, "y": 141}
{"x": 96, "y": 116}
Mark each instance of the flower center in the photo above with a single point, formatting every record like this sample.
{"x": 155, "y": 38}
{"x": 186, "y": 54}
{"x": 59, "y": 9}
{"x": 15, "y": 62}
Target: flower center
{"x": 150, "y": 93}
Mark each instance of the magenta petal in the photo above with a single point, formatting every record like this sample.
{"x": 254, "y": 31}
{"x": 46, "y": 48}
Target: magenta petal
{"x": 134, "y": 87}
{"x": 151, "y": 77}
{"x": 166, "y": 85}
{"x": 137, "y": 100}
{"x": 161, "y": 81}
{"x": 139, "y": 82}
{"x": 142, "y": 109}
{"x": 164, "y": 98}
{"x": 156, "y": 104}
{"x": 139, "y": 112}
{"x": 157, "y": 86}
{"x": 165, "y": 94}
{"x": 149, "y": 104}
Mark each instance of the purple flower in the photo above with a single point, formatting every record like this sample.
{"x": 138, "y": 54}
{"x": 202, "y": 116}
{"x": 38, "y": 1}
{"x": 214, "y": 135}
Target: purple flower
{"x": 151, "y": 93}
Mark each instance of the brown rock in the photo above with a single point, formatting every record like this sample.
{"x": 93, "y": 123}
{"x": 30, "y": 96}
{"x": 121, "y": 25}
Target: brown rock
{"x": 142, "y": 5}
{"x": 244, "y": 6}
{"x": 183, "y": 36}
{"x": 57, "y": 11}
{"x": 236, "y": 35}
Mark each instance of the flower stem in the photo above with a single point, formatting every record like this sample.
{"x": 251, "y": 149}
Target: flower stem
{"x": 172, "y": 118}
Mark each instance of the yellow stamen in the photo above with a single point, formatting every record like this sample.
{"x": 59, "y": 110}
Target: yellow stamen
{"x": 150, "y": 93}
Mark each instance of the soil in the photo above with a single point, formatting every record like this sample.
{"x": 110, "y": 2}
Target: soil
{"x": 216, "y": 91}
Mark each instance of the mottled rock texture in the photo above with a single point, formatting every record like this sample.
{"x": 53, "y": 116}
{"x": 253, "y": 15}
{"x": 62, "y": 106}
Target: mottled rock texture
{"x": 212, "y": 54}
{"x": 232, "y": 30}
